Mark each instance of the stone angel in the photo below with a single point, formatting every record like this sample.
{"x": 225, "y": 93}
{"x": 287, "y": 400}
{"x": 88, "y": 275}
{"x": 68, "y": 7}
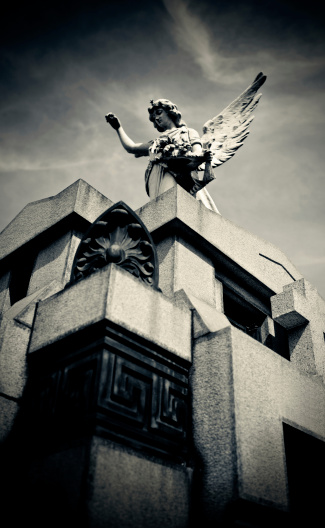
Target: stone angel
{"x": 180, "y": 155}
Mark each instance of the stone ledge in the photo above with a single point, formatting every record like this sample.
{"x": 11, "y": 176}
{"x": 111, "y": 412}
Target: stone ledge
{"x": 290, "y": 308}
{"x": 219, "y": 236}
{"x": 37, "y": 217}
{"x": 114, "y": 295}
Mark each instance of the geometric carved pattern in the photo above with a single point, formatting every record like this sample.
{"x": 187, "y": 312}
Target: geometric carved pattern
{"x": 119, "y": 389}
{"x": 172, "y": 410}
{"x": 78, "y": 382}
{"x": 144, "y": 398}
{"x": 129, "y": 392}
{"x": 117, "y": 236}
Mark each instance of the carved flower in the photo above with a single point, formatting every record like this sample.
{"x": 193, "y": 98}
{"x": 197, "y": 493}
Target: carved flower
{"x": 167, "y": 147}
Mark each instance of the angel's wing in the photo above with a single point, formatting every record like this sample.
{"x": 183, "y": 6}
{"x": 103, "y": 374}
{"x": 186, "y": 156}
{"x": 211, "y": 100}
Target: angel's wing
{"x": 225, "y": 133}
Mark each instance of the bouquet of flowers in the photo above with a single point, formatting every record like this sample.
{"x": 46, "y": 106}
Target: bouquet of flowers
{"x": 177, "y": 156}
{"x": 179, "y": 159}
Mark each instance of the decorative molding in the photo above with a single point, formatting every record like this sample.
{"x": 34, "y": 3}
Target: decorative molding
{"x": 117, "y": 236}
{"x": 116, "y": 387}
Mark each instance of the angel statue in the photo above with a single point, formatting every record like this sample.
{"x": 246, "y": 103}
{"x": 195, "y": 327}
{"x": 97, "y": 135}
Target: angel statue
{"x": 179, "y": 155}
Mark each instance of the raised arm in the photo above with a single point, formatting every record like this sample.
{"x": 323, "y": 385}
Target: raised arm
{"x": 138, "y": 149}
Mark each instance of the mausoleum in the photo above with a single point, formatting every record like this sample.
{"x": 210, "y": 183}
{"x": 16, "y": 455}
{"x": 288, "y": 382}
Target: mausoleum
{"x": 159, "y": 367}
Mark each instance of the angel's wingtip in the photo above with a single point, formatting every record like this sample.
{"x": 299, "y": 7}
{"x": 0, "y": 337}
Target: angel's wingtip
{"x": 261, "y": 78}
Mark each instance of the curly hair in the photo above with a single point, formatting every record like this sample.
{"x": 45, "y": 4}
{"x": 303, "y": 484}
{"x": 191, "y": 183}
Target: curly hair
{"x": 171, "y": 110}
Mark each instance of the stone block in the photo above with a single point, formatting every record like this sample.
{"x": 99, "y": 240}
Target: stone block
{"x": 289, "y": 308}
{"x": 115, "y": 295}
{"x": 54, "y": 262}
{"x": 13, "y": 371}
{"x": 242, "y": 394}
{"x": 14, "y": 338}
{"x": 218, "y": 288}
{"x": 8, "y": 412}
{"x": 261, "y": 259}
{"x": 260, "y": 448}
{"x": 39, "y": 216}
{"x": 214, "y": 433}
{"x": 184, "y": 267}
{"x": 300, "y": 309}
{"x": 206, "y": 319}
{"x": 23, "y": 311}
{"x": 102, "y": 485}
{"x": 4, "y": 292}
{"x": 130, "y": 490}
{"x": 267, "y": 330}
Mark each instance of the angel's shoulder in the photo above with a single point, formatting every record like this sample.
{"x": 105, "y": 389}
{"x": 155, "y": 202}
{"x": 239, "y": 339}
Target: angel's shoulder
{"x": 193, "y": 135}
{"x": 192, "y": 131}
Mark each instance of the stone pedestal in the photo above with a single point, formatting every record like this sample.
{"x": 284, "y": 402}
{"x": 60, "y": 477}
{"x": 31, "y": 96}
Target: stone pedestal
{"x": 106, "y": 413}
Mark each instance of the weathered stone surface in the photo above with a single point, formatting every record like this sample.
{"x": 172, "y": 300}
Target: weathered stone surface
{"x": 260, "y": 449}
{"x": 115, "y": 295}
{"x": 130, "y": 491}
{"x": 206, "y": 319}
{"x": 39, "y": 216}
{"x": 4, "y": 292}
{"x": 180, "y": 267}
{"x": 290, "y": 308}
{"x": 242, "y": 392}
{"x": 13, "y": 358}
{"x": 109, "y": 486}
{"x": 267, "y": 330}
{"x": 218, "y": 289}
{"x": 301, "y": 310}
{"x": 54, "y": 262}
{"x": 239, "y": 245}
{"x": 14, "y": 338}
{"x": 8, "y": 412}
{"x": 23, "y": 311}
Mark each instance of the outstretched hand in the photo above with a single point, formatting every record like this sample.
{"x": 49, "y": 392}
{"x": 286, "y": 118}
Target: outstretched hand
{"x": 113, "y": 121}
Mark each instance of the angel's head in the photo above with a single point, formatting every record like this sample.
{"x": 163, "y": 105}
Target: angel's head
{"x": 163, "y": 112}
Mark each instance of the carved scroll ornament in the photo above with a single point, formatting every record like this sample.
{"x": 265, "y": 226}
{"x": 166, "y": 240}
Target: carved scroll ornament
{"x": 118, "y": 236}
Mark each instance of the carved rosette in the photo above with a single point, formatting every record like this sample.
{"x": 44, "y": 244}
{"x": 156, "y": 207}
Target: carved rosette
{"x": 118, "y": 236}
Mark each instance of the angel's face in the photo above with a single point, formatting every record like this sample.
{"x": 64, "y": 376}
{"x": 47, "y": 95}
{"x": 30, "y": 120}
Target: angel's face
{"x": 162, "y": 121}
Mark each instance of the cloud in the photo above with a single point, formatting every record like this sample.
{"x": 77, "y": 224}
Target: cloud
{"x": 234, "y": 45}
{"x": 192, "y": 36}
{"x": 204, "y": 41}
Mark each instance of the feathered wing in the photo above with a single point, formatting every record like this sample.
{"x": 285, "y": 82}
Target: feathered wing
{"x": 226, "y": 132}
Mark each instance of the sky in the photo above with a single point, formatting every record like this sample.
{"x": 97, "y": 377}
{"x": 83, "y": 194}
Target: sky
{"x": 64, "y": 66}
